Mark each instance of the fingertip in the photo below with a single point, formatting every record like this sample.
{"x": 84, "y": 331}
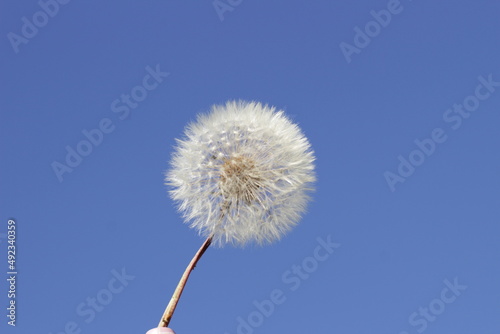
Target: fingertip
{"x": 161, "y": 330}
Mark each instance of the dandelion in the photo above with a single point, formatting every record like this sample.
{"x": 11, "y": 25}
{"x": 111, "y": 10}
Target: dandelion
{"x": 241, "y": 175}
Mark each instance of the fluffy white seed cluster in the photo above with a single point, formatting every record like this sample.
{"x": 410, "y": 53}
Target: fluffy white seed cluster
{"x": 242, "y": 174}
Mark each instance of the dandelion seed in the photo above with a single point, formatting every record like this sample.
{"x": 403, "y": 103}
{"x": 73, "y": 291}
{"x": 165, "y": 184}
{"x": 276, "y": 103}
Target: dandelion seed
{"x": 242, "y": 174}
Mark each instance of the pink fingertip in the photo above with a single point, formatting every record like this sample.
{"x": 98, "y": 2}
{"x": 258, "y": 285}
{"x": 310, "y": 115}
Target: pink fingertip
{"x": 159, "y": 330}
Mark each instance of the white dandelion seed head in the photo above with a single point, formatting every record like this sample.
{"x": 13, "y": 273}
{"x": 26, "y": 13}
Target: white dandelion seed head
{"x": 242, "y": 173}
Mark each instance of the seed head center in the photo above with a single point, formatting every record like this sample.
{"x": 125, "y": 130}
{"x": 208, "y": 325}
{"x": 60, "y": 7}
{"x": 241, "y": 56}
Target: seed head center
{"x": 239, "y": 179}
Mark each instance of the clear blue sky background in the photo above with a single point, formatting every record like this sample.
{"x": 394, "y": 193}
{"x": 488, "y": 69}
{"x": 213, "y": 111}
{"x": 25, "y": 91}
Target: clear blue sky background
{"x": 112, "y": 212}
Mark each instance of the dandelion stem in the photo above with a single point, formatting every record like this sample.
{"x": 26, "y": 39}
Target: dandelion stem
{"x": 169, "y": 311}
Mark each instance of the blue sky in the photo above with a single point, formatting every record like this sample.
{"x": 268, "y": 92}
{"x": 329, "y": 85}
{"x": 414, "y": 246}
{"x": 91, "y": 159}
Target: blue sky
{"x": 400, "y": 101}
